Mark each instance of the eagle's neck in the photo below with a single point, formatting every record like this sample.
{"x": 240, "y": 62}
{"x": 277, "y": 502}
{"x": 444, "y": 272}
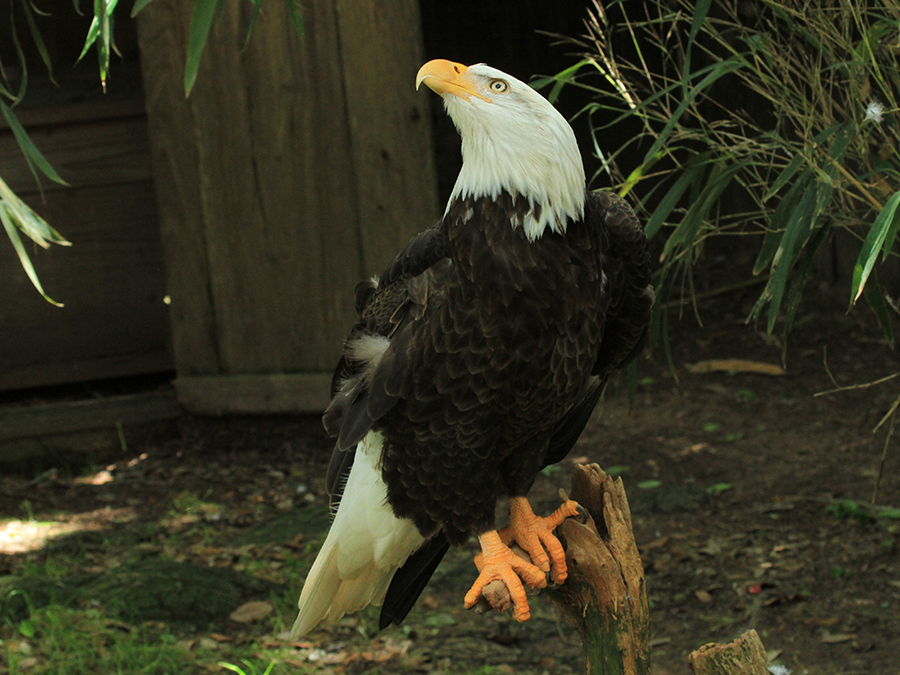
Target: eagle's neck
{"x": 542, "y": 167}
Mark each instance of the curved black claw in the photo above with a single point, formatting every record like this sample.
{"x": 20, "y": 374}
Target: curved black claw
{"x": 583, "y": 515}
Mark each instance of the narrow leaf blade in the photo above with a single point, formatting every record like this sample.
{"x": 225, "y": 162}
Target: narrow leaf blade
{"x": 881, "y": 237}
{"x": 201, "y": 23}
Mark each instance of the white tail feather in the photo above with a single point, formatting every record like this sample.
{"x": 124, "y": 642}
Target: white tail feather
{"x": 363, "y": 549}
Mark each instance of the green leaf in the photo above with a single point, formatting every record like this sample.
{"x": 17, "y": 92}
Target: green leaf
{"x": 201, "y": 22}
{"x": 33, "y": 156}
{"x": 102, "y": 11}
{"x": 688, "y": 228}
{"x": 102, "y": 14}
{"x": 701, "y": 10}
{"x": 649, "y": 484}
{"x": 788, "y": 173}
{"x": 22, "y": 253}
{"x": 795, "y": 236}
{"x": 719, "y": 488}
{"x": 257, "y": 6}
{"x": 296, "y": 17}
{"x": 35, "y": 227}
{"x": 138, "y": 6}
{"x": 38, "y": 39}
{"x": 880, "y": 238}
{"x": 20, "y": 55}
{"x": 668, "y": 203}
{"x": 799, "y": 160}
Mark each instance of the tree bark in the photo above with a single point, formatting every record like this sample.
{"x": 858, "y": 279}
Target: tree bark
{"x": 605, "y": 596}
{"x": 744, "y": 656}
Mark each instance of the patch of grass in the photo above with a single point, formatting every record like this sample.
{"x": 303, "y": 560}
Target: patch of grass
{"x": 85, "y": 641}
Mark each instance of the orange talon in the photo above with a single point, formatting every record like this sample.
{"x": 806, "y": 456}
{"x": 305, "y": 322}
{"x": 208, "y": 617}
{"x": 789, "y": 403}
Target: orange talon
{"x": 496, "y": 561}
{"x": 535, "y": 534}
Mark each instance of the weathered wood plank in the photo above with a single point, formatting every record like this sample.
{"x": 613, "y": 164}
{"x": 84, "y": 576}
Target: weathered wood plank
{"x": 381, "y": 52}
{"x": 254, "y": 394}
{"x": 110, "y": 281}
{"x": 89, "y": 153}
{"x": 29, "y": 375}
{"x": 280, "y": 212}
{"x": 70, "y": 113}
{"x": 70, "y": 416}
{"x": 162, "y": 28}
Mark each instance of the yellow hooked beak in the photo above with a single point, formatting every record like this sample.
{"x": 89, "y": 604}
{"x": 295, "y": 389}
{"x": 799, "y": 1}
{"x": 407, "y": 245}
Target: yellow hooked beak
{"x": 445, "y": 77}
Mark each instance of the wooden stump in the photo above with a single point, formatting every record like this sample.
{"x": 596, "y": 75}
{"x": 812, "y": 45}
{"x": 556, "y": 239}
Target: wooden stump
{"x": 744, "y": 656}
{"x": 605, "y": 596}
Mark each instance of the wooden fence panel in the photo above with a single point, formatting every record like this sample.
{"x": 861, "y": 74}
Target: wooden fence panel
{"x": 111, "y": 282}
{"x": 312, "y": 164}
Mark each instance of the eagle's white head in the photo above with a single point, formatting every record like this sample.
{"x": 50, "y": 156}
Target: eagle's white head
{"x": 513, "y": 139}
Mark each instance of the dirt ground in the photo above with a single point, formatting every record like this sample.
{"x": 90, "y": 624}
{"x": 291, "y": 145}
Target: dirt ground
{"x": 745, "y": 490}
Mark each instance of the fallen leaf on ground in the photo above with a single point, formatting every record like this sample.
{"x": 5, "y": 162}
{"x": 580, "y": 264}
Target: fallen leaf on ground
{"x": 733, "y": 366}
{"x": 251, "y": 611}
{"x": 836, "y": 638}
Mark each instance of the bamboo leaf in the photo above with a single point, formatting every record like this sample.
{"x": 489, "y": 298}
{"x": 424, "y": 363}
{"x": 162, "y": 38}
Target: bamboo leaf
{"x": 34, "y": 156}
{"x": 102, "y": 12}
{"x": 296, "y": 17}
{"x": 20, "y": 55}
{"x": 138, "y": 6}
{"x": 880, "y": 238}
{"x": 779, "y": 222}
{"x": 28, "y": 221}
{"x": 635, "y": 176}
{"x": 201, "y": 23}
{"x": 670, "y": 200}
{"x": 257, "y": 6}
{"x": 701, "y": 10}
{"x": 795, "y": 236}
{"x": 687, "y": 229}
{"x": 22, "y": 253}
{"x": 38, "y": 39}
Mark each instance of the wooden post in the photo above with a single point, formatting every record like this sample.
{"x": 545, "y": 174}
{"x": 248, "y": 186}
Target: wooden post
{"x": 298, "y": 166}
{"x": 605, "y": 596}
{"x": 744, "y": 656}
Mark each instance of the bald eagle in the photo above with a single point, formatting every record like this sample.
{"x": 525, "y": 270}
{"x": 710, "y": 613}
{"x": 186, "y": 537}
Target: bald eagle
{"x": 478, "y": 357}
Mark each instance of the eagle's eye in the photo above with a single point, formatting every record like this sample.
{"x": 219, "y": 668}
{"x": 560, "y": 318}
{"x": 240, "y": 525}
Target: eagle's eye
{"x": 498, "y": 86}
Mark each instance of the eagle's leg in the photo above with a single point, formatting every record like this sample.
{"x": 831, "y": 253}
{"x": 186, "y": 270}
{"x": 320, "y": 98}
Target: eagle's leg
{"x": 497, "y": 561}
{"x": 535, "y": 535}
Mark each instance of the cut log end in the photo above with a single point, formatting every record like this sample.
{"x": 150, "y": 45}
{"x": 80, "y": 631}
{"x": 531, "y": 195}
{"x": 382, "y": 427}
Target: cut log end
{"x": 744, "y": 656}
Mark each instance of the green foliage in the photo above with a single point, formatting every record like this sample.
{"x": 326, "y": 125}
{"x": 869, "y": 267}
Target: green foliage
{"x": 815, "y": 151}
{"x": 249, "y": 664}
{"x": 864, "y": 513}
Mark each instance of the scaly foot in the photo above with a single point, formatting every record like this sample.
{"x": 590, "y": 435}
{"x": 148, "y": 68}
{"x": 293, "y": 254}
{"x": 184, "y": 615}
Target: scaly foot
{"x": 496, "y": 561}
{"x": 535, "y": 534}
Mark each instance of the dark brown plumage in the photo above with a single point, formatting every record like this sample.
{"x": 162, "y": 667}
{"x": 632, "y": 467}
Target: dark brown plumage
{"x": 511, "y": 337}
